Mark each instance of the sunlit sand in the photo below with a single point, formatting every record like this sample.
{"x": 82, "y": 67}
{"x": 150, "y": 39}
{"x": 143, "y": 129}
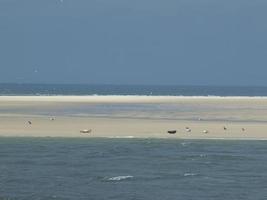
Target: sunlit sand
{"x": 234, "y": 118}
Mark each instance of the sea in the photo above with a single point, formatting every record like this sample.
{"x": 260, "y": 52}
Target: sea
{"x": 132, "y": 169}
{"x": 152, "y": 90}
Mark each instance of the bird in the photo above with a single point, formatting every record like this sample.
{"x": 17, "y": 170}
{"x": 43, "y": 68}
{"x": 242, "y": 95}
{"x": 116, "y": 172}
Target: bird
{"x": 224, "y": 128}
{"x": 205, "y": 131}
{"x": 243, "y": 129}
{"x": 29, "y": 122}
{"x": 187, "y": 129}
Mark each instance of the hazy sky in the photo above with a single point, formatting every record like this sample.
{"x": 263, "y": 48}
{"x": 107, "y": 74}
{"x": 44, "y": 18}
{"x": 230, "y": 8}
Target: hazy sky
{"x": 188, "y": 42}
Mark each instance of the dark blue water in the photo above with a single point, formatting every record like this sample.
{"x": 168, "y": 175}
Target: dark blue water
{"x": 68, "y": 89}
{"x": 132, "y": 169}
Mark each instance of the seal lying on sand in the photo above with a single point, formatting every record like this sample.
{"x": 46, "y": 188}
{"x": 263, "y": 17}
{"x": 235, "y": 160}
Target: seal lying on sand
{"x": 172, "y": 131}
{"x": 86, "y": 131}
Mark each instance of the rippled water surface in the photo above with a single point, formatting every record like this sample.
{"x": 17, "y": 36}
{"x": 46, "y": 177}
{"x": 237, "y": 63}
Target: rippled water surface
{"x": 132, "y": 169}
{"x": 173, "y": 90}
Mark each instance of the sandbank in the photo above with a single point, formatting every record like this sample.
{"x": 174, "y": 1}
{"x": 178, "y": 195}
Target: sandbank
{"x": 243, "y": 117}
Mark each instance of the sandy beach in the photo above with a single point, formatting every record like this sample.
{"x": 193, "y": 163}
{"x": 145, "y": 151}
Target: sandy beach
{"x": 134, "y": 117}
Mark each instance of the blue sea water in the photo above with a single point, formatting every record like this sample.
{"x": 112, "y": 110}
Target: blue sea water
{"x": 82, "y": 89}
{"x": 134, "y": 169}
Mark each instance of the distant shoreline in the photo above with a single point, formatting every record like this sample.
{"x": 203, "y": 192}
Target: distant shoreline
{"x": 121, "y": 98}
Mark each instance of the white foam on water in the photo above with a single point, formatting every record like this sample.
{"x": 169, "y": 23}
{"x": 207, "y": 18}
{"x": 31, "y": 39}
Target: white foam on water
{"x": 119, "y": 178}
{"x": 189, "y": 174}
{"x": 185, "y": 143}
{"x": 130, "y": 136}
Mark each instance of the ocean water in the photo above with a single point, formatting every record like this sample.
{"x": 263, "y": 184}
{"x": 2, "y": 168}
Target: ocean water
{"x": 134, "y": 169}
{"x": 82, "y": 89}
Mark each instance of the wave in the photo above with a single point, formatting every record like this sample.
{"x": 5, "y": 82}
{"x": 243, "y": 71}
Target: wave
{"x": 190, "y": 174}
{"x": 119, "y": 178}
{"x": 135, "y": 90}
{"x": 185, "y": 144}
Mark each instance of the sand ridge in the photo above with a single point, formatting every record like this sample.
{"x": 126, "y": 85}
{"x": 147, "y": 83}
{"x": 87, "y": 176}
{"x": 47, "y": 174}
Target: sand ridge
{"x": 17, "y": 125}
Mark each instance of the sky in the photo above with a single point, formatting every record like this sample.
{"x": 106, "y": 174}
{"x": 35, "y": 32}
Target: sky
{"x": 148, "y": 42}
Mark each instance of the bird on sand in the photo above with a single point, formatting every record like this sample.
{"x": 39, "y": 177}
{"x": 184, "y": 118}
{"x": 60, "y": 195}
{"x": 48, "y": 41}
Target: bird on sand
{"x": 187, "y": 129}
